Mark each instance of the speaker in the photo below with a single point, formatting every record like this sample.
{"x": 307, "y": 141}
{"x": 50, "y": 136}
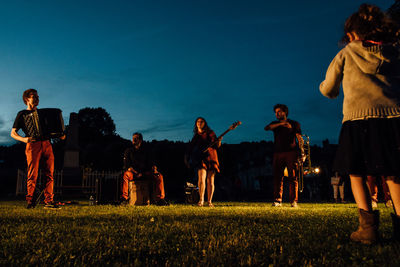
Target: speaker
{"x": 192, "y": 195}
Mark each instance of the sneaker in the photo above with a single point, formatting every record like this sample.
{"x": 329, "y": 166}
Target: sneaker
{"x": 52, "y": 206}
{"x": 374, "y": 204}
{"x": 30, "y": 206}
{"x": 294, "y": 204}
{"x": 277, "y": 204}
{"x": 389, "y": 204}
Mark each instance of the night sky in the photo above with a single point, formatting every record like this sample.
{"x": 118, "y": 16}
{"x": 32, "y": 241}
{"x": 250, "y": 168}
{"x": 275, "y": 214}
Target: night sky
{"x": 157, "y": 65}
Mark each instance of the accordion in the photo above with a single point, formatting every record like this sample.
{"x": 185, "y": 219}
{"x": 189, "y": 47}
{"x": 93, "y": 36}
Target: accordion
{"x": 45, "y": 123}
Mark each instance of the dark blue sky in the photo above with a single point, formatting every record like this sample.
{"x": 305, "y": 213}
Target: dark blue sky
{"x": 157, "y": 65}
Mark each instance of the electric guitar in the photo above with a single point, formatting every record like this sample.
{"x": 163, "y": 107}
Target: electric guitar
{"x": 195, "y": 157}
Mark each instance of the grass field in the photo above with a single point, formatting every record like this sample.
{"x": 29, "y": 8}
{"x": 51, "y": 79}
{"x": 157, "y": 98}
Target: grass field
{"x": 230, "y": 234}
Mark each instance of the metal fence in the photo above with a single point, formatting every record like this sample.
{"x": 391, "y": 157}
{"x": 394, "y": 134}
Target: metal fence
{"x": 21, "y": 181}
{"x": 89, "y": 185}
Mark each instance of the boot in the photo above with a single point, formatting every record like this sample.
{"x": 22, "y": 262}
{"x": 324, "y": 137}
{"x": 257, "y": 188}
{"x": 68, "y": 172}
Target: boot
{"x": 367, "y": 232}
{"x": 396, "y": 226}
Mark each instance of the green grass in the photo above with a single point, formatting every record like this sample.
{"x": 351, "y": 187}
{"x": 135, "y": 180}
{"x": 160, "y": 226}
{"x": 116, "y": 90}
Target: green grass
{"x": 230, "y": 234}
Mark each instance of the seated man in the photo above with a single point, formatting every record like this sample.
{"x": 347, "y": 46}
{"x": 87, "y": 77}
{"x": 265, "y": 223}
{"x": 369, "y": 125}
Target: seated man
{"x": 138, "y": 165}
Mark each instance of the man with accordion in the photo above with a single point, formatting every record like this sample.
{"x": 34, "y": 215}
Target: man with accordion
{"x": 39, "y": 126}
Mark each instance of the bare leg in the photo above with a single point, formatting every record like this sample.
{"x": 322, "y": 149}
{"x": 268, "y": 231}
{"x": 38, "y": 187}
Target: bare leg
{"x": 210, "y": 186}
{"x": 341, "y": 190}
{"x": 394, "y": 189}
{"x": 360, "y": 192}
{"x": 335, "y": 192}
{"x": 201, "y": 174}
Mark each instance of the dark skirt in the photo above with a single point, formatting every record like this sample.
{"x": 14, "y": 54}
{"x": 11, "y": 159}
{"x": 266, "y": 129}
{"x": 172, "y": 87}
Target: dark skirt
{"x": 369, "y": 147}
{"x": 211, "y": 162}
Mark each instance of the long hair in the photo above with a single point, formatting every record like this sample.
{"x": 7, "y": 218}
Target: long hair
{"x": 371, "y": 23}
{"x": 206, "y": 128}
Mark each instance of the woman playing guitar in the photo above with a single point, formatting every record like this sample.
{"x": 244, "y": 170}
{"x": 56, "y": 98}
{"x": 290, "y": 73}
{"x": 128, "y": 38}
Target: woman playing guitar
{"x": 208, "y": 164}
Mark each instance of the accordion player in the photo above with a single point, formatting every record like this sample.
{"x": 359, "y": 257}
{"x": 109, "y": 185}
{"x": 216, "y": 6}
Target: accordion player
{"x": 45, "y": 123}
{"x": 39, "y": 126}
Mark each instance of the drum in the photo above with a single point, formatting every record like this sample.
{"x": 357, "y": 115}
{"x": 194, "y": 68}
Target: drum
{"x": 139, "y": 193}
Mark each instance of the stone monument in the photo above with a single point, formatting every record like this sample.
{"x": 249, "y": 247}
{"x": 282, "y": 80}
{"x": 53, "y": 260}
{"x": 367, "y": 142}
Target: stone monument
{"x": 72, "y": 175}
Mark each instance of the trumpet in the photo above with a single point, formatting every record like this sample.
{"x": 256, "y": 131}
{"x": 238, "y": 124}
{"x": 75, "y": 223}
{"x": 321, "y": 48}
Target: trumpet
{"x": 304, "y": 161}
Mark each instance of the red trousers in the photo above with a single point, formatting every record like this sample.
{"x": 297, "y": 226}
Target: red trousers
{"x": 40, "y": 151}
{"x": 373, "y": 188}
{"x": 157, "y": 182}
{"x": 281, "y": 161}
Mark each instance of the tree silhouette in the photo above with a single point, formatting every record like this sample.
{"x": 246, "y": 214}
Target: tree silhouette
{"x": 94, "y": 124}
{"x": 394, "y": 11}
{"x": 101, "y": 148}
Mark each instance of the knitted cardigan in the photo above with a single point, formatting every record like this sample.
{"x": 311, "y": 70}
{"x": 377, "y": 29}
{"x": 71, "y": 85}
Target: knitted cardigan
{"x": 370, "y": 77}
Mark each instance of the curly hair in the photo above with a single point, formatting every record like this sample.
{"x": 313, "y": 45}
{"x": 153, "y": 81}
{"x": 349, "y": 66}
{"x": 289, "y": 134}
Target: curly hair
{"x": 371, "y": 23}
{"x": 283, "y": 107}
{"x": 26, "y": 94}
